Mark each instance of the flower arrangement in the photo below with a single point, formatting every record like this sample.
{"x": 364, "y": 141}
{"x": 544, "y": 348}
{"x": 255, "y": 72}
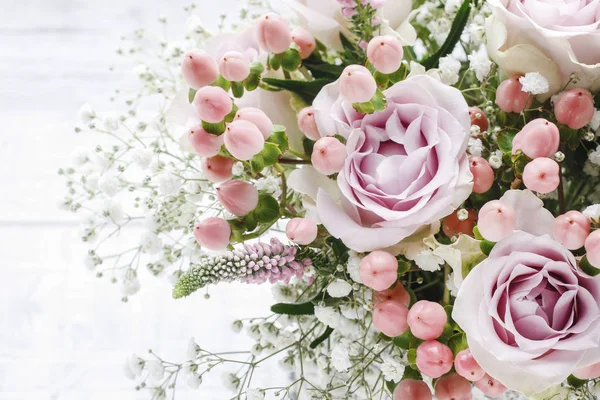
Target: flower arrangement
{"x": 418, "y": 183}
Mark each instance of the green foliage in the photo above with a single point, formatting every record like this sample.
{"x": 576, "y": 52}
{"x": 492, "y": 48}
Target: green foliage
{"x": 215, "y": 129}
{"x": 376, "y": 104}
{"x": 575, "y": 382}
{"x": 307, "y": 91}
{"x": 587, "y": 267}
{"x": 321, "y": 69}
{"x": 191, "y": 94}
{"x": 458, "y": 342}
{"x": 505, "y": 139}
{"x": 307, "y": 308}
{"x": 486, "y": 247}
{"x": 291, "y": 60}
{"x": 321, "y": 338}
{"x": 268, "y": 156}
{"x": 237, "y": 88}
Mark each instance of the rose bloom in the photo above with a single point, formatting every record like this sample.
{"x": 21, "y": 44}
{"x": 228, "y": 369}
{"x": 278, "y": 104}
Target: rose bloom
{"x": 406, "y": 166}
{"x": 530, "y": 315}
{"x": 555, "y": 38}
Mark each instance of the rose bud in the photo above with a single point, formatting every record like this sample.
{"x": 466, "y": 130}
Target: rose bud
{"x": 305, "y": 41}
{"x": 453, "y": 226}
{"x": 427, "y": 319}
{"x": 490, "y": 386}
{"x": 379, "y": 270}
{"x": 574, "y": 108}
{"x": 467, "y": 367}
{"x": 217, "y": 169}
{"x": 385, "y": 53}
{"x": 307, "y": 123}
{"x": 589, "y": 372}
{"x": 592, "y": 248}
{"x": 328, "y": 155}
{"x": 452, "y": 387}
{"x": 243, "y": 139}
{"x": 199, "y": 68}
{"x": 397, "y": 294}
{"x": 205, "y": 144}
{"x": 273, "y": 33}
{"x": 479, "y": 118}
{"x": 234, "y": 66}
{"x": 356, "y": 84}
{"x": 213, "y": 233}
{"x": 571, "y": 229}
{"x": 496, "y": 220}
{"x": 258, "y": 118}
{"x": 510, "y": 97}
{"x": 238, "y": 197}
{"x": 212, "y": 103}
{"x": 539, "y": 138}
{"x": 412, "y": 389}
{"x": 434, "y": 359}
{"x": 389, "y": 317}
{"x": 541, "y": 175}
{"x": 483, "y": 174}
{"x": 302, "y": 231}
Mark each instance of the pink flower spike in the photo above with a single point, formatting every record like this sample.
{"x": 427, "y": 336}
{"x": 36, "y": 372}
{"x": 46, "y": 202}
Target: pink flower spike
{"x": 467, "y": 367}
{"x": 511, "y": 98}
{"x": 212, "y": 104}
{"x": 213, "y": 233}
{"x": 539, "y": 138}
{"x": 412, "y": 389}
{"x": 307, "y": 123}
{"x": 574, "y": 108}
{"x": 199, "y": 68}
{"x": 258, "y": 118}
{"x": 427, "y": 320}
{"x": 571, "y": 229}
{"x": 356, "y": 84}
{"x": 496, "y": 220}
{"x": 453, "y": 387}
{"x": 434, "y": 359}
{"x": 592, "y": 248}
{"x": 238, "y": 197}
{"x": 389, "y": 317}
{"x": 483, "y": 174}
{"x": 302, "y": 231}
{"x": 328, "y": 155}
{"x": 385, "y": 53}
{"x": 490, "y": 386}
{"x": 217, "y": 169}
{"x": 243, "y": 139}
{"x": 273, "y": 33}
{"x": 379, "y": 270}
{"x": 305, "y": 41}
{"x": 542, "y": 175}
{"x": 205, "y": 144}
{"x": 234, "y": 66}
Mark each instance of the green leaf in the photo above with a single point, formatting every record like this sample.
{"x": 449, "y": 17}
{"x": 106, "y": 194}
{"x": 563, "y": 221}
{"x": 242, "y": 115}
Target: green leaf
{"x": 222, "y": 83}
{"x": 267, "y": 209}
{"x": 308, "y": 146}
{"x": 291, "y": 60}
{"x": 268, "y": 156}
{"x": 321, "y": 338}
{"x": 476, "y": 233}
{"x": 320, "y": 69}
{"x": 403, "y": 341}
{"x": 413, "y": 296}
{"x": 412, "y": 373}
{"x": 587, "y": 267}
{"x": 381, "y": 79}
{"x": 215, "y": 129}
{"x": 486, "y": 247}
{"x": 279, "y": 138}
{"x": 191, "y": 94}
{"x": 237, "y": 88}
{"x": 306, "y": 90}
{"x": 411, "y": 356}
{"x": 505, "y": 139}
{"x": 575, "y": 382}
{"x": 294, "y": 309}
{"x": 391, "y": 386}
{"x": 377, "y": 103}
{"x": 458, "y": 342}
{"x": 403, "y": 267}
{"x": 250, "y": 222}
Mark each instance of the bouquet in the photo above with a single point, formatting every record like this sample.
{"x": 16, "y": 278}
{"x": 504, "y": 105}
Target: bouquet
{"x": 418, "y": 184}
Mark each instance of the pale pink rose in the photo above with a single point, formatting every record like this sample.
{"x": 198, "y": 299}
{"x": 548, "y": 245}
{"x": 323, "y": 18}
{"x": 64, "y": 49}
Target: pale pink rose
{"x": 530, "y": 316}
{"x": 406, "y": 166}
{"x": 555, "y": 38}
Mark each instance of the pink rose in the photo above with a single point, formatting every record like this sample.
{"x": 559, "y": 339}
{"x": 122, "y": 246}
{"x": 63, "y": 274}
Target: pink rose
{"x": 406, "y": 166}
{"x": 555, "y": 38}
{"x": 530, "y": 316}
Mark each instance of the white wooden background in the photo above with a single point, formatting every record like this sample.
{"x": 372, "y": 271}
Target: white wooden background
{"x": 63, "y": 333}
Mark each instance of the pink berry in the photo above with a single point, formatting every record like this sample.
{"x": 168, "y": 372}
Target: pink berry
{"x": 427, "y": 319}
{"x": 199, "y": 68}
{"x": 541, "y": 175}
{"x": 490, "y": 386}
{"x": 574, "y": 108}
{"x": 571, "y": 229}
{"x": 307, "y": 123}
{"x": 243, "y": 139}
{"x": 452, "y": 387}
{"x": 434, "y": 359}
{"x": 467, "y": 367}
{"x": 212, "y": 103}
{"x": 238, "y": 197}
{"x": 511, "y": 98}
{"x": 397, "y": 294}
{"x": 390, "y": 318}
{"x": 357, "y": 85}
{"x": 496, "y": 220}
{"x": 479, "y": 118}
{"x": 302, "y": 231}
{"x": 412, "y": 389}
{"x": 539, "y": 138}
{"x": 213, "y": 233}
{"x": 305, "y": 41}
{"x": 217, "y": 169}
{"x": 483, "y": 174}
{"x": 379, "y": 270}
{"x": 592, "y": 248}
{"x": 273, "y": 33}
{"x": 452, "y": 226}
{"x": 258, "y": 118}
{"x": 205, "y": 144}
{"x": 589, "y": 372}
{"x": 234, "y": 66}
{"x": 385, "y": 53}
{"x": 328, "y": 155}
